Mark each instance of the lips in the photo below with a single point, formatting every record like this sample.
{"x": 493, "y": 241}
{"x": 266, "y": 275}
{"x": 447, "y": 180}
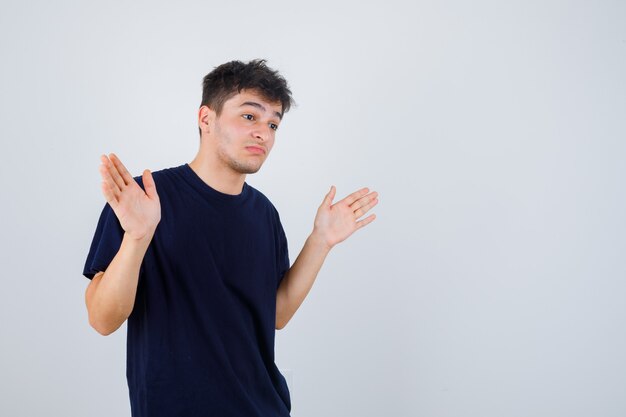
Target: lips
{"x": 255, "y": 149}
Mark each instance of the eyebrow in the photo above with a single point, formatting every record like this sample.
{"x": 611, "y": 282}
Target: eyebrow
{"x": 259, "y": 106}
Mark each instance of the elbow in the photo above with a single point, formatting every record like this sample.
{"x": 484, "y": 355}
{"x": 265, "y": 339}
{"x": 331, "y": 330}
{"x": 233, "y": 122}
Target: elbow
{"x": 105, "y": 322}
{"x": 102, "y": 329}
{"x": 104, "y": 332}
{"x": 93, "y": 315}
{"x": 105, "y": 326}
{"x": 280, "y": 324}
{"x": 281, "y": 321}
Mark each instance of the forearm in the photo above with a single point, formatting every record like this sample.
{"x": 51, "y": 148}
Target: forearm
{"x": 299, "y": 279}
{"x": 110, "y": 300}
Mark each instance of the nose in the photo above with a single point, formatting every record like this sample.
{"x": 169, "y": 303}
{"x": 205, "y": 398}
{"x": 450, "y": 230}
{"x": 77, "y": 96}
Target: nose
{"x": 262, "y": 132}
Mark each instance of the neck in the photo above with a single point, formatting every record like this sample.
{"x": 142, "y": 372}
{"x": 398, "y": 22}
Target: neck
{"x": 216, "y": 175}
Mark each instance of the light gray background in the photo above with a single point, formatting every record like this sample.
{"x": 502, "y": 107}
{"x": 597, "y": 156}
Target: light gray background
{"x": 492, "y": 281}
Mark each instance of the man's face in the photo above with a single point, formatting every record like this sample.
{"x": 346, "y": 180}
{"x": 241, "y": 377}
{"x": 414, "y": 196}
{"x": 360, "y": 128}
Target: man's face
{"x": 245, "y": 131}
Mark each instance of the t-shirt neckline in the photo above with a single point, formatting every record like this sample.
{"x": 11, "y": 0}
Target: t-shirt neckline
{"x": 206, "y": 189}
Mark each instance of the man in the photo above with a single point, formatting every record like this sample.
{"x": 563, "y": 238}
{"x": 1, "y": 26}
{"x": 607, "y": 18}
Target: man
{"x": 196, "y": 260}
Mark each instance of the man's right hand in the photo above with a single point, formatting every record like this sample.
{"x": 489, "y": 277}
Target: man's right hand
{"x": 139, "y": 212}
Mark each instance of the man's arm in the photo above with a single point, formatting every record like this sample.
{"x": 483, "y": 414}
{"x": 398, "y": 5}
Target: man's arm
{"x": 299, "y": 279}
{"x": 333, "y": 224}
{"x": 110, "y": 296}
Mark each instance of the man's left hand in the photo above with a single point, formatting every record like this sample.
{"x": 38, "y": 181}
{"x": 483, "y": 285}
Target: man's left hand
{"x": 334, "y": 223}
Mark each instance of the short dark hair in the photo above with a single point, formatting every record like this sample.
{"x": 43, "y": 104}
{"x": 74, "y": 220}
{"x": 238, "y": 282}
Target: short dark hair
{"x": 230, "y": 78}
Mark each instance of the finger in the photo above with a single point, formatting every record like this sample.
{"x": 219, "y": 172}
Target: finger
{"x": 364, "y": 200}
{"x": 365, "y": 221}
{"x": 328, "y": 200}
{"x": 115, "y": 174}
{"x": 109, "y": 188}
{"x": 371, "y": 195}
{"x": 149, "y": 185}
{"x": 365, "y": 208}
{"x": 355, "y": 196}
{"x": 106, "y": 177}
{"x": 128, "y": 179}
{"x": 109, "y": 196}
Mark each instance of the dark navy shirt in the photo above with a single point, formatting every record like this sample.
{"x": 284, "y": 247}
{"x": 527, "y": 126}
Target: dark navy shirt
{"x": 200, "y": 338}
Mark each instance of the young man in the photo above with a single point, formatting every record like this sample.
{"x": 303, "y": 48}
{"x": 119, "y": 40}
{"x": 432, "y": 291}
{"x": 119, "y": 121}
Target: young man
{"x": 196, "y": 260}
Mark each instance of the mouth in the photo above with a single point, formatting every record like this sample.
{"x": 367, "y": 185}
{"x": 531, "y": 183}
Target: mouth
{"x": 255, "y": 149}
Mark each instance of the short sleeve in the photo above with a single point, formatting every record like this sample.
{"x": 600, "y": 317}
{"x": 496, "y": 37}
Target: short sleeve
{"x": 105, "y": 244}
{"x": 283, "y": 252}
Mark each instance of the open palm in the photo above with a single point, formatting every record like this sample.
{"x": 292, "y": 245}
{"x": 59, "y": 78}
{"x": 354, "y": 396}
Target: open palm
{"x": 139, "y": 212}
{"x": 336, "y": 222}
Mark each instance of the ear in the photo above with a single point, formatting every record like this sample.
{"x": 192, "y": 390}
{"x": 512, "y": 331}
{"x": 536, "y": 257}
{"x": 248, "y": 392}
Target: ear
{"x": 206, "y": 118}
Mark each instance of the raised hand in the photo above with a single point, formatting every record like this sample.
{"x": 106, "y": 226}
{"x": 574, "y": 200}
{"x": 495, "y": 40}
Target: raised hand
{"x": 139, "y": 212}
{"x": 336, "y": 222}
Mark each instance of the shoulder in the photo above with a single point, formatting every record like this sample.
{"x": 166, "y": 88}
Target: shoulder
{"x": 265, "y": 205}
{"x": 161, "y": 176}
{"x": 261, "y": 198}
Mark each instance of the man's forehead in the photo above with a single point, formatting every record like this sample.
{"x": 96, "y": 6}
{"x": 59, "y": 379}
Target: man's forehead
{"x": 255, "y": 99}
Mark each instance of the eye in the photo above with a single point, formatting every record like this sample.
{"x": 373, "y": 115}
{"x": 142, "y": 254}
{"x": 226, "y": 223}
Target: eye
{"x": 245, "y": 116}
{"x": 273, "y": 126}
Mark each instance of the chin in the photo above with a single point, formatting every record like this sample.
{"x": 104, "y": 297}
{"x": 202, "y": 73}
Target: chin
{"x": 246, "y": 169}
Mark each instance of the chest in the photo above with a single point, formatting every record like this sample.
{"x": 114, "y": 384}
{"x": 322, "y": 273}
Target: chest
{"x": 235, "y": 245}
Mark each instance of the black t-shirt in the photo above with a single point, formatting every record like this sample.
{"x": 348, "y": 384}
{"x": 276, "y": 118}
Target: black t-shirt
{"x": 200, "y": 338}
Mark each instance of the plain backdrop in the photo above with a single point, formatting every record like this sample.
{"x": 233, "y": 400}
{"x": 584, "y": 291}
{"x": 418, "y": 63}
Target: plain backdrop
{"x": 492, "y": 282}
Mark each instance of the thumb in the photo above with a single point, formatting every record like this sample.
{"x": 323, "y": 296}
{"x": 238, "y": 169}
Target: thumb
{"x": 149, "y": 185}
{"x": 329, "y": 197}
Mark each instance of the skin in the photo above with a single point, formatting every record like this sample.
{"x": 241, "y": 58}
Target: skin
{"x": 223, "y": 161}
